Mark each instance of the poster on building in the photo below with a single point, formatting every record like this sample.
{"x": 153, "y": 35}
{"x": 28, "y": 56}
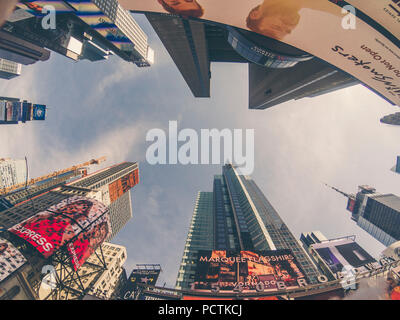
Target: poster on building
{"x": 11, "y": 259}
{"x": 247, "y": 271}
{"x": 337, "y": 254}
{"x": 39, "y": 112}
{"x": 384, "y": 12}
{"x": 3, "y": 111}
{"x": 146, "y": 277}
{"x": 347, "y": 41}
{"x": 78, "y": 224}
{"x": 9, "y": 111}
{"x": 123, "y": 184}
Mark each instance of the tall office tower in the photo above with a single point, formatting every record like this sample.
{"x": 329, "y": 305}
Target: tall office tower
{"x": 13, "y": 111}
{"x": 114, "y": 183}
{"x": 91, "y": 30}
{"x": 12, "y": 172}
{"x": 9, "y": 69}
{"x": 111, "y": 184}
{"x": 26, "y": 190}
{"x": 277, "y": 72}
{"x": 237, "y": 216}
{"x": 378, "y": 214}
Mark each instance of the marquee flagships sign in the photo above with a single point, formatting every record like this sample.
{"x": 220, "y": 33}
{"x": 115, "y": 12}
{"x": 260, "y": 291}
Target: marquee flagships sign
{"x": 247, "y": 271}
{"x": 315, "y": 26}
{"x": 81, "y": 224}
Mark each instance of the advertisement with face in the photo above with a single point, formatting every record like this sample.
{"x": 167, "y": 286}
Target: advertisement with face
{"x": 122, "y": 185}
{"x": 247, "y": 271}
{"x": 79, "y": 223}
{"x": 10, "y": 259}
{"x": 358, "y": 49}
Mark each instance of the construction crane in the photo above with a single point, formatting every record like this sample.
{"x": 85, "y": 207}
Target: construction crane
{"x": 51, "y": 175}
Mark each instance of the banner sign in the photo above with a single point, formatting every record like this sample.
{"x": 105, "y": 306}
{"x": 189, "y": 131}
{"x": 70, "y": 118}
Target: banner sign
{"x": 81, "y": 224}
{"x": 247, "y": 271}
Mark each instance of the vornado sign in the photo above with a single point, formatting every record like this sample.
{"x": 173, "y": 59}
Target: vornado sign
{"x": 369, "y": 51}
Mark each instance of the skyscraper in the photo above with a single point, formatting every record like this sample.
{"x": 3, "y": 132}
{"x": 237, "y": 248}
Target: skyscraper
{"x": 91, "y": 30}
{"x": 12, "y": 172}
{"x": 376, "y": 213}
{"x": 9, "y": 69}
{"x": 237, "y": 216}
{"x": 114, "y": 183}
{"x": 110, "y": 185}
{"x": 277, "y": 72}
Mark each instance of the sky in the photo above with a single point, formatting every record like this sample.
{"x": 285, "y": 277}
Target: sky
{"x": 107, "y": 108}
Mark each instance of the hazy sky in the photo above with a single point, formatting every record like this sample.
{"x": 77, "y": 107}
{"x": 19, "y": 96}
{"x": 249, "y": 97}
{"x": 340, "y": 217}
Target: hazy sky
{"x": 106, "y": 108}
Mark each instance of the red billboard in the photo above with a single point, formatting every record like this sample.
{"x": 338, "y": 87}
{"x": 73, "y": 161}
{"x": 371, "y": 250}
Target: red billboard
{"x": 247, "y": 271}
{"x": 123, "y": 184}
{"x": 77, "y": 224}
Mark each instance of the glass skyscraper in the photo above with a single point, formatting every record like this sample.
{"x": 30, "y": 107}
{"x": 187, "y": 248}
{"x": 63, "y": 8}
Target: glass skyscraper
{"x": 237, "y": 216}
{"x": 376, "y": 213}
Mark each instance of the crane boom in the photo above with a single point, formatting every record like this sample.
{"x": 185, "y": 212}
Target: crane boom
{"x": 54, "y": 174}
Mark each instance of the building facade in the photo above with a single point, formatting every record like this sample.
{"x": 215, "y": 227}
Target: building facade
{"x": 9, "y": 69}
{"x": 376, "y": 213}
{"x": 12, "y": 172}
{"x": 277, "y": 72}
{"x": 237, "y": 216}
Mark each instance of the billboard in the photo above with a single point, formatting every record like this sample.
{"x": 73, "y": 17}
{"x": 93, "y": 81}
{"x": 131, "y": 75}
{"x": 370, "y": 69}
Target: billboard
{"x": 318, "y": 27}
{"x": 10, "y": 259}
{"x": 337, "y": 254}
{"x": 123, "y": 184}
{"x": 384, "y": 12}
{"x": 3, "y": 111}
{"x": 247, "y": 271}
{"x": 39, "y": 112}
{"x": 137, "y": 277}
{"x": 77, "y": 223}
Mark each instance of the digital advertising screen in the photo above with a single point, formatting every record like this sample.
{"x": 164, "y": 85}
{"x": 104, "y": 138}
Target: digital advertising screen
{"x": 11, "y": 259}
{"x": 246, "y": 271}
{"x": 355, "y": 44}
{"x": 81, "y": 224}
{"x": 344, "y": 252}
{"x": 122, "y": 185}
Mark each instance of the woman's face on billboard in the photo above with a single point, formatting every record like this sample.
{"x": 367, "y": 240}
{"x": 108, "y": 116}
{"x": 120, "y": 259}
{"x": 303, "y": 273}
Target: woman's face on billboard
{"x": 182, "y": 5}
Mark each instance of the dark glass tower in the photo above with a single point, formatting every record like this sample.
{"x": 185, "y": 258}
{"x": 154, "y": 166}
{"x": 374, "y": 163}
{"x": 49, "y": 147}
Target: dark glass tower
{"x": 236, "y": 216}
{"x": 378, "y": 214}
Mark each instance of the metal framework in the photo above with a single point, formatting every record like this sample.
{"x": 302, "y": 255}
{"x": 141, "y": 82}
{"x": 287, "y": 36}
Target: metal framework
{"x": 301, "y": 292}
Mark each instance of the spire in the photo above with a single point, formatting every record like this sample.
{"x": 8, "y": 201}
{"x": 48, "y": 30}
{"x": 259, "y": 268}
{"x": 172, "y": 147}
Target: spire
{"x": 337, "y": 190}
